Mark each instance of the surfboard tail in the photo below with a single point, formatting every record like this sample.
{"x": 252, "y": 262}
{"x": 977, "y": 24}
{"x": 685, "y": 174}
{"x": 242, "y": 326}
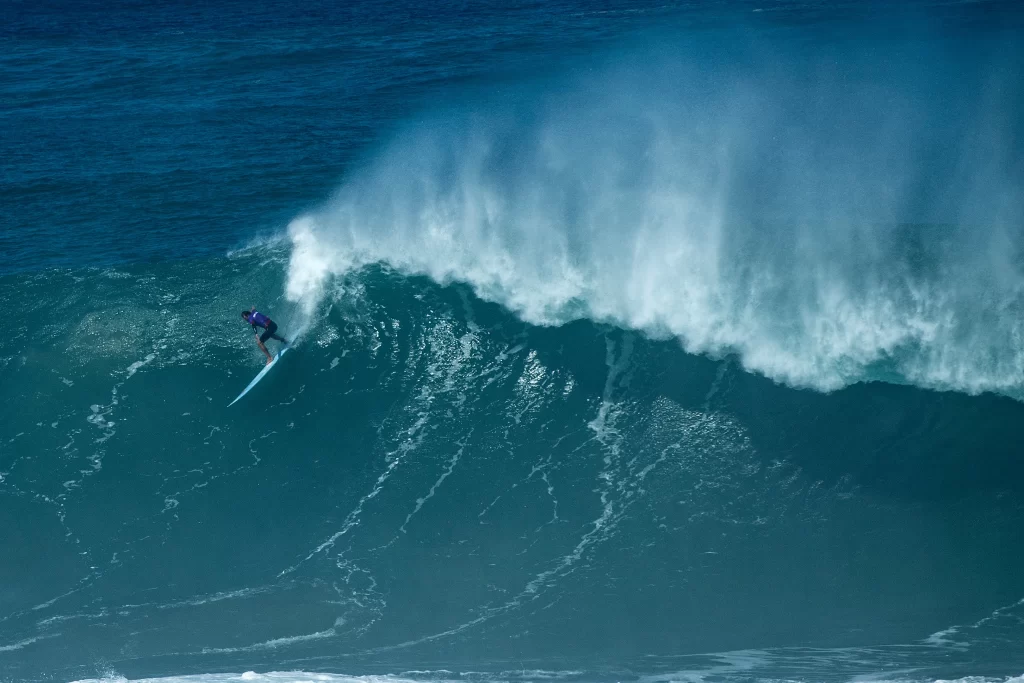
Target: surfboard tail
{"x": 261, "y": 375}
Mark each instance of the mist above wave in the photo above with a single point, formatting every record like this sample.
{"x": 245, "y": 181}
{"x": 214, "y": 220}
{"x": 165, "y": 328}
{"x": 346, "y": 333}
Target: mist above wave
{"x": 830, "y": 214}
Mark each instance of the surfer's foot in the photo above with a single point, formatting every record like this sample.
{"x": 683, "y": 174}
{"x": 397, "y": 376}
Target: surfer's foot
{"x": 269, "y": 361}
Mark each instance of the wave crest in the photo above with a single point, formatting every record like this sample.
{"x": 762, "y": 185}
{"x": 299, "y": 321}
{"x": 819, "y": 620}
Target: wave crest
{"x": 732, "y": 201}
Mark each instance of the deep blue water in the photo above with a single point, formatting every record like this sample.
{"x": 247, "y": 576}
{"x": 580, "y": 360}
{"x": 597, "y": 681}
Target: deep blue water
{"x": 646, "y": 341}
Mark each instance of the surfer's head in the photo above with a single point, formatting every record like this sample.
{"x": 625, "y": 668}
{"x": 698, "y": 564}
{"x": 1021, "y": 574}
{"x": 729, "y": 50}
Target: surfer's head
{"x": 245, "y": 315}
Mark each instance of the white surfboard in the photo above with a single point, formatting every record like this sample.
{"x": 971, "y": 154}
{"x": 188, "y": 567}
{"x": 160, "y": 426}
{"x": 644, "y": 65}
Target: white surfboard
{"x": 258, "y": 377}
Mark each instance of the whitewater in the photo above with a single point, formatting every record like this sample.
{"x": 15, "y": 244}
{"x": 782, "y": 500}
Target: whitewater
{"x": 749, "y": 209}
{"x": 644, "y": 342}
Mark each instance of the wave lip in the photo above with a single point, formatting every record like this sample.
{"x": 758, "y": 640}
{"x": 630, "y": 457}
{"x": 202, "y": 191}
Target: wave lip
{"x": 825, "y": 244}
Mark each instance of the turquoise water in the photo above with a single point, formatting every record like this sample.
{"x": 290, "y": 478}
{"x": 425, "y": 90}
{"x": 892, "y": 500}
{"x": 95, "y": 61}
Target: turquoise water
{"x": 635, "y": 342}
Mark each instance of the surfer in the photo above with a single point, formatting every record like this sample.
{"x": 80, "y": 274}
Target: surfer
{"x": 258, "y": 320}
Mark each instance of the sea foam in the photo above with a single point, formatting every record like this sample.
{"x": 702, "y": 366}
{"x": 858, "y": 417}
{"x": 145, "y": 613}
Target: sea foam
{"x": 826, "y": 217}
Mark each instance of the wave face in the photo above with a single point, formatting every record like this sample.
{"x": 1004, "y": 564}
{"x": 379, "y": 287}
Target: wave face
{"x": 428, "y": 484}
{"x": 830, "y": 215}
{"x": 617, "y": 357}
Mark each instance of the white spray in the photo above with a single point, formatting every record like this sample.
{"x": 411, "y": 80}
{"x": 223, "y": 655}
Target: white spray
{"x": 829, "y": 222}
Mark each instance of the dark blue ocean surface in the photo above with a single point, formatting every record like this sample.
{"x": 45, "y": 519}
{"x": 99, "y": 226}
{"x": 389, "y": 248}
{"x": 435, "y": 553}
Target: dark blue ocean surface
{"x": 634, "y": 341}
{"x": 134, "y": 131}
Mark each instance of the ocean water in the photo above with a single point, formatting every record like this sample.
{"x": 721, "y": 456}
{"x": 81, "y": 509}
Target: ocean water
{"x": 635, "y": 341}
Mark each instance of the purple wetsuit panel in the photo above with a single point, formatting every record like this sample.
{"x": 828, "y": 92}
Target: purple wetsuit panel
{"x": 257, "y": 319}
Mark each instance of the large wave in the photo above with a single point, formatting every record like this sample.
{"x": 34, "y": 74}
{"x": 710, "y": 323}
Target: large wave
{"x": 829, "y": 216}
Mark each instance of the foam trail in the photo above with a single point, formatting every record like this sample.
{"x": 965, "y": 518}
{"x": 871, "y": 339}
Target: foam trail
{"x": 255, "y": 677}
{"x": 24, "y": 643}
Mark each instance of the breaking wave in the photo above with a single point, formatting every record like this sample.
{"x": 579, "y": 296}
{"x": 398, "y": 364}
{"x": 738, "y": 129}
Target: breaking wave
{"x": 830, "y": 219}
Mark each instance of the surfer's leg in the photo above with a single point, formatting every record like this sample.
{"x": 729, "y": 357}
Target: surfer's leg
{"x": 264, "y": 349}
{"x": 269, "y": 334}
